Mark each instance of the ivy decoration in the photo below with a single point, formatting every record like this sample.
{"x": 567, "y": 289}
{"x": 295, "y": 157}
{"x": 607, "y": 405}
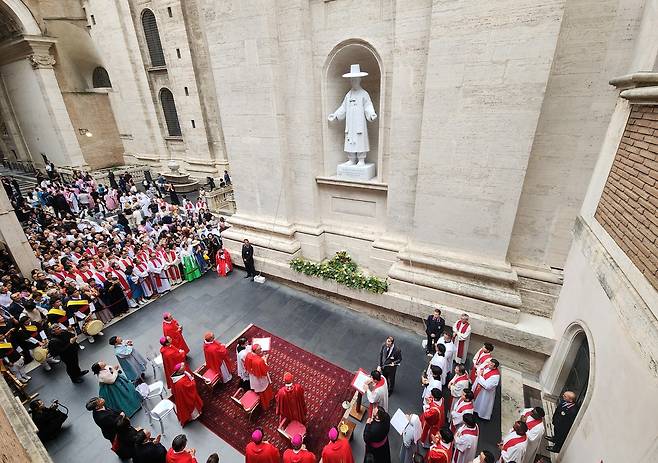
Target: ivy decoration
{"x": 342, "y": 269}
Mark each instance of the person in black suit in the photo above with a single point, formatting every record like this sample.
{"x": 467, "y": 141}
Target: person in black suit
{"x": 390, "y": 356}
{"x": 563, "y": 418}
{"x": 434, "y": 326}
{"x": 248, "y": 258}
{"x": 63, "y": 344}
{"x": 148, "y": 450}
{"x": 105, "y": 418}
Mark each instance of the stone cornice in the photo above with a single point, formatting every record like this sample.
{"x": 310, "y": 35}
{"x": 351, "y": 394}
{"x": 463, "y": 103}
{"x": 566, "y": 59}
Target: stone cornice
{"x": 31, "y": 47}
{"x": 638, "y": 88}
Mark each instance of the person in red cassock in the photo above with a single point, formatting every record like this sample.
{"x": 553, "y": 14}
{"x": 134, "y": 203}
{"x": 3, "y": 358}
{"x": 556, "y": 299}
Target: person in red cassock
{"x": 217, "y": 357}
{"x": 171, "y": 328}
{"x": 290, "y": 401}
{"x": 171, "y": 356}
{"x": 224, "y": 264}
{"x": 298, "y": 452}
{"x": 187, "y": 400}
{"x": 259, "y": 377}
{"x": 337, "y": 450}
{"x": 433, "y": 417}
{"x": 179, "y": 452}
{"x": 260, "y": 451}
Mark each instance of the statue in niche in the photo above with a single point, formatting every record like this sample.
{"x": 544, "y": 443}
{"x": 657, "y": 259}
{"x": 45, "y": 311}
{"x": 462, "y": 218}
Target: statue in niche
{"x": 356, "y": 109}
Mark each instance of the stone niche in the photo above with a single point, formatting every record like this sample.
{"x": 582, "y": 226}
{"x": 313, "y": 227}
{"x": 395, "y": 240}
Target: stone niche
{"x": 334, "y": 88}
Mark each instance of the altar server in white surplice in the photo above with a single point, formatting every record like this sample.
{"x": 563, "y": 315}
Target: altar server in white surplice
{"x": 439, "y": 360}
{"x": 451, "y": 349}
{"x": 484, "y": 389}
{"x": 514, "y": 444}
{"x": 534, "y": 420}
{"x": 466, "y": 441}
{"x": 377, "y": 392}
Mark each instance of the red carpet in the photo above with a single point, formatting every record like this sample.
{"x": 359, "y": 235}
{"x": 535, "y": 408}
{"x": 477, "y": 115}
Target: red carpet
{"x": 326, "y": 386}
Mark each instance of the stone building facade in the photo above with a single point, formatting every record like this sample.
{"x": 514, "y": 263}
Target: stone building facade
{"x": 512, "y": 181}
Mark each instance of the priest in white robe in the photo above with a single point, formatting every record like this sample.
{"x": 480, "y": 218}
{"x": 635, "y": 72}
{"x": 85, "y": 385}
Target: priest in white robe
{"x": 446, "y": 340}
{"x": 458, "y": 384}
{"x": 439, "y": 360}
{"x": 534, "y": 420}
{"x": 514, "y": 444}
{"x": 156, "y": 267}
{"x": 466, "y": 441}
{"x": 461, "y": 337}
{"x": 463, "y": 407}
{"x": 484, "y": 389}
{"x": 377, "y": 392}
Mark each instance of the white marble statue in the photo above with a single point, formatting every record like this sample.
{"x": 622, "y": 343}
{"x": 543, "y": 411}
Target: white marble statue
{"x": 356, "y": 109}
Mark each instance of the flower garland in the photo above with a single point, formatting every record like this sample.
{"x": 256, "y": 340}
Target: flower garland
{"x": 342, "y": 269}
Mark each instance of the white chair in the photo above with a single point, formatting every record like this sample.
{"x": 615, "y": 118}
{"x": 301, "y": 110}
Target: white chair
{"x": 154, "y": 390}
{"x": 157, "y": 362}
{"x": 162, "y": 409}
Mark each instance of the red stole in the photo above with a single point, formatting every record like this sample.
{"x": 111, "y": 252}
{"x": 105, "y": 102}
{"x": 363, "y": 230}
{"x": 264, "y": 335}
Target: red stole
{"x": 514, "y": 441}
{"x": 480, "y": 358}
{"x": 486, "y": 376}
{"x": 530, "y": 421}
{"x": 462, "y": 326}
{"x": 462, "y": 408}
{"x": 432, "y": 419}
{"x": 379, "y": 384}
{"x": 158, "y": 280}
{"x": 469, "y": 432}
{"x": 255, "y": 365}
{"x": 337, "y": 452}
{"x": 124, "y": 283}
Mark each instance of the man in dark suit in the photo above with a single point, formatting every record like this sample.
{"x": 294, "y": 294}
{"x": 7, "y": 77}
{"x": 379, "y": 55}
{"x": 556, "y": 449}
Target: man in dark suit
{"x": 63, "y": 344}
{"x": 105, "y": 418}
{"x": 563, "y": 418}
{"x": 248, "y": 258}
{"x": 390, "y": 356}
{"x": 434, "y": 326}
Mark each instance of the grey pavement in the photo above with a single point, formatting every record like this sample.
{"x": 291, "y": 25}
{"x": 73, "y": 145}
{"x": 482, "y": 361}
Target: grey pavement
{"x": 226, "y": 306}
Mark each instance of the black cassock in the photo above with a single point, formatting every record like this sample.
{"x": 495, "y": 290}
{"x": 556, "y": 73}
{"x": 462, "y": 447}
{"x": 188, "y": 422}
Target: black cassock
{"x": 150, "y": 452}
{"x": 375, "y": 436}
{"x": 107, "y": 420}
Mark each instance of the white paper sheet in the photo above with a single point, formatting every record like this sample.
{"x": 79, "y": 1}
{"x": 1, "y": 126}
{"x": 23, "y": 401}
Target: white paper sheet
{"x": 360, "y": 381}
{"x": 264, "y": 343}
{"x": 399, "y": 421}
{"x": 80, "y": 315}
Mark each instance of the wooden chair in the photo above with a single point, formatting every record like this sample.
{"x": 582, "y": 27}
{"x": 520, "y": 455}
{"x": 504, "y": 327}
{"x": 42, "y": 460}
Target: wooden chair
{"x": 208, "y": 376}
{"x": 248, "y": 400}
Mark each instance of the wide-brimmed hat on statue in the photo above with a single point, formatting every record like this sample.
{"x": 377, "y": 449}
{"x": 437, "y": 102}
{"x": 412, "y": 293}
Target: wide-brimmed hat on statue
{"x": 355, "y": 71}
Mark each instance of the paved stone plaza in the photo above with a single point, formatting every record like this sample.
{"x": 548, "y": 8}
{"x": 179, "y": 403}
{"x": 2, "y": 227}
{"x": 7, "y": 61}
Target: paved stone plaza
{"x": 346, "y": 338}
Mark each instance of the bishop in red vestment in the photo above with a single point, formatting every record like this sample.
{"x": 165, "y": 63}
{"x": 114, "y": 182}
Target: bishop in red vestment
{"x": 290, "y": 400}
{"x": 298, "y": 453}
{"x": 187, "y": 400}
{"x": 259, "y": 451}
{"x": 337, "y": 450}
{"x": 171, "y": 328}
{"x": 259, "y": 377}
{"x": 171, "y": 356}
{"x": 217, "y": 357}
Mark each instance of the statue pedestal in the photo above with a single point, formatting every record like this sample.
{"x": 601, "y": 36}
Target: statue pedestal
{"x": 356, "y": 172}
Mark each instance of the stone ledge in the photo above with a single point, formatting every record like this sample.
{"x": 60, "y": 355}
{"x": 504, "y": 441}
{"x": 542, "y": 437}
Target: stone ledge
{"x": 346, "y": 183}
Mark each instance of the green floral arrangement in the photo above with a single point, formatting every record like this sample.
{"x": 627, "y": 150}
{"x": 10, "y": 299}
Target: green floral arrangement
{"x": 342, "y": 269}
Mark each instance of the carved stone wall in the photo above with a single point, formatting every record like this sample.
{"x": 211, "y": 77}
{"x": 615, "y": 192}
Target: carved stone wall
{"x": 628, "y": 209}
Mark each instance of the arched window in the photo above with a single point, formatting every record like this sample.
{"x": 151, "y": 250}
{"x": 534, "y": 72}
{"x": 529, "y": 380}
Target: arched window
{"x": 100, "y": 78}
{"x": 152, "y": 35}
{"x": 170, "y": 114}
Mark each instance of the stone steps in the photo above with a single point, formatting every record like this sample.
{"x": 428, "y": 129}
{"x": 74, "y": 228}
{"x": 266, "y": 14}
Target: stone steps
{"x": 538, "y": 297}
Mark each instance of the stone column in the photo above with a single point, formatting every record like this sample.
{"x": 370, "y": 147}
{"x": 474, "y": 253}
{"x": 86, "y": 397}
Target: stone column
{"x": 15, "y": 239}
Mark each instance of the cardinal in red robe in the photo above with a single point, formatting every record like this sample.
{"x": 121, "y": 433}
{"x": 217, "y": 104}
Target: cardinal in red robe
{"x": 217, "y": 357}
{"x": 298, "y": 452}
{"x": 171, "y": 328}
{"x": 259, "y": 451}
{"x": 223, "y": 262}
{"x": 171, "y": 356}
{"x": 337, "y": 450}
{"x": 290, "y": 403}
{"x": 256, "y": 365}
{"x": 187, "y": 400}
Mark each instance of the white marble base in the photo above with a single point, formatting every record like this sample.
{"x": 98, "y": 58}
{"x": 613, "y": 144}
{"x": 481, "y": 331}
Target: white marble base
{"x": 356, "y": 172}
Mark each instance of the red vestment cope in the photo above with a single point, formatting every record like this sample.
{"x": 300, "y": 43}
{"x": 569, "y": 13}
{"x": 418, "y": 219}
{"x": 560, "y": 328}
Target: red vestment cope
{"x": 256, "y": 366}
{"x": 216, "y": 354}
{"x": 261, "y": 453}
{"x": 432, "y": 420}
{"x": 186, "y": 398}
{"x": 337, "y": 452}
{"x": 221, "y": 262}
{"x": 439, "y": 454}
{"x": 180, "y": 457}
{"x": 303, "y": 456}
{"x": 290, "y": 403}
{"x": 172, "y": 329}
{"x": 171, "y": 356}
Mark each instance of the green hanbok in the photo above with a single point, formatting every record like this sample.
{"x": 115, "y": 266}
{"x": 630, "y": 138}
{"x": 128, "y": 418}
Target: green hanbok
{"x": 191, "y": 267}
{"x": 118, "y": 392}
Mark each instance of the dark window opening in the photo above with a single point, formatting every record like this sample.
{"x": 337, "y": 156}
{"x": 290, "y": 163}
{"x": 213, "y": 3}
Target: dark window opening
{"x": 169, "y": 12}
{"x": 187, "y": 91}
{"x": 100, "y": 78}
{"x": 152, "y": 36}
{"x": 193, "y": 124}
{"x": 93, "y": 20}
{"x": 178, "y": 52}
{"x": 170, "y": 113}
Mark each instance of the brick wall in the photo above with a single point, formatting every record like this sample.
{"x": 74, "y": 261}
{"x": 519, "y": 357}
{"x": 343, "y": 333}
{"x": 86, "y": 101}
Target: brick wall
{"x": 628, "y": 209}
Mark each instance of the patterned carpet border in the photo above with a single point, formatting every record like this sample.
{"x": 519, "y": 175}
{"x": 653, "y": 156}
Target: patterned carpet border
{"x": 326, "y": 386}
